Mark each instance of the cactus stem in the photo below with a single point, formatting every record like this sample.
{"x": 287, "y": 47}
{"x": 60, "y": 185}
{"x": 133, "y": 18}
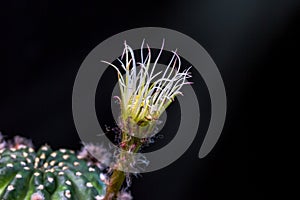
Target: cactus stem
{"x": 116, "y": 181}
{"x": 118, "y": 177}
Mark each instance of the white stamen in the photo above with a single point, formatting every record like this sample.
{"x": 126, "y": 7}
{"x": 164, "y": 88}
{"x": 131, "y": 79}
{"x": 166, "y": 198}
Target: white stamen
{"x": 139, "y": 96}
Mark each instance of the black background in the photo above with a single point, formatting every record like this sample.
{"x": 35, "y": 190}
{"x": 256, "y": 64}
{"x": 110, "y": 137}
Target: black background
{"x": 253, "y": 43}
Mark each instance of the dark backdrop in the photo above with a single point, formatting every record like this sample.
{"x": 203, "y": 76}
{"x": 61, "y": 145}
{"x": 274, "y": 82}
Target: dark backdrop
{"x": 43, "y": 44}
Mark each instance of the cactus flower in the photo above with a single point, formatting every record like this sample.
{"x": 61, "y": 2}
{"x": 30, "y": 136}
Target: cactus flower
{"x": 144, "y": 93}
{"x": 144, "y": 96}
